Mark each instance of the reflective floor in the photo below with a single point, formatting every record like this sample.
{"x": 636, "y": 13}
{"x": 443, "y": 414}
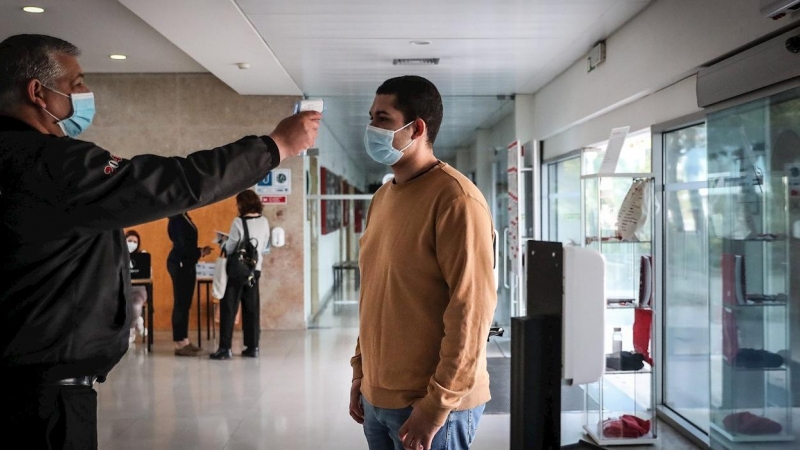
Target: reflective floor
{"x": 294, "y": 396}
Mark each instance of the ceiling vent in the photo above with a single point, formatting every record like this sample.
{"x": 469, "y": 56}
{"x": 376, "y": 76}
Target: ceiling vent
{"x": 415, "y": 61}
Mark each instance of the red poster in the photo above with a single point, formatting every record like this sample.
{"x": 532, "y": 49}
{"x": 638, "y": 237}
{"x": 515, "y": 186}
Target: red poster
{"x": 330, "y": 210}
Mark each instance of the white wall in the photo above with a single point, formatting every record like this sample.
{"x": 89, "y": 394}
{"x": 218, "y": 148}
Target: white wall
{"x": 478, "y": 157}
{"x": 663, "y": 45}
{"x": 524, "y": 106}
{"x": 503, "y": 132}
{"x": 675, "y": 101}
{"x": 465, "y": 159}
{"x": 487, "y": 140}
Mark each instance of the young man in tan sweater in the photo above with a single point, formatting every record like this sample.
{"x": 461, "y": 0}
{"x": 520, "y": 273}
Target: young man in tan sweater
{"x": 427, "y": 285}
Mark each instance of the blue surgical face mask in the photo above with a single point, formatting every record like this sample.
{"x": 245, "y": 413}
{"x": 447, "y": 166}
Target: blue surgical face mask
{"x": 379, "y": 145}
{"x": 82, "y": 114}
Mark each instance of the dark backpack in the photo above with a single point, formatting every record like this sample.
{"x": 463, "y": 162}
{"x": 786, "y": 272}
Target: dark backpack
{"x": 241, "y": 265}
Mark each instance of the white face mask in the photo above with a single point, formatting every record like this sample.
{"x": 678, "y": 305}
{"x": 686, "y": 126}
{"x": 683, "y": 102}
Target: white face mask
{"x": 378, "y": 143}
{"x": 132, "y": 246}
{"x": 83, "y": 111}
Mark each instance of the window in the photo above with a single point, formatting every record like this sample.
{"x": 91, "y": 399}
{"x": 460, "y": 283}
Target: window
{"x": 563, "y": 191}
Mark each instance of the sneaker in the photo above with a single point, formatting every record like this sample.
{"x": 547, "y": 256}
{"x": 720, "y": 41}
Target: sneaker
{"x": 194, "y": 347}
{"x": 140, "y": 326}
{"x": 187, "y": 351}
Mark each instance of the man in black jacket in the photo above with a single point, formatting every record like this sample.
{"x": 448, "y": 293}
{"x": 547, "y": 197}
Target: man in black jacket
{"x": 64, "y": 308}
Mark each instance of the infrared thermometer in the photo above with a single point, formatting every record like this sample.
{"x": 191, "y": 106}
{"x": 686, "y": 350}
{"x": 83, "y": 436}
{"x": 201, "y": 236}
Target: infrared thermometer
{"x": 309, "y": 105}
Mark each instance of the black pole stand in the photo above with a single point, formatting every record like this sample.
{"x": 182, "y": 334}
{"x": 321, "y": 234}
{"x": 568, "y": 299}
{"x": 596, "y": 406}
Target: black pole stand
{"x": 536, "y": 355}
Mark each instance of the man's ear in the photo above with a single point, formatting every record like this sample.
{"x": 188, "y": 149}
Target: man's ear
{"x": 34, "y": 93}
{"x": 420, "y": 128}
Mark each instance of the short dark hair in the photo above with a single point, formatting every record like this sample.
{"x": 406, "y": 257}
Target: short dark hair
{"x": 416, "y": 98}
{"x": 248, "y": 202}
{"x": 29, "y": 56}
{"x": 133, "y": 233}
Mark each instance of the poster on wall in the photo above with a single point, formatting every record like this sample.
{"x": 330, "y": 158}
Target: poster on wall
{"x": 330, "y": 210}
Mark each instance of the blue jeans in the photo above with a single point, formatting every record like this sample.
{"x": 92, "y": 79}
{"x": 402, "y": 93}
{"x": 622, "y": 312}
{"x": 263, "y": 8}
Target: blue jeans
{"x": 381, "y": 427}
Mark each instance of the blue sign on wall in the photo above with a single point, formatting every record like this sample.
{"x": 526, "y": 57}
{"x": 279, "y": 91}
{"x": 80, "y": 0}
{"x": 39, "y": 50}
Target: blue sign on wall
{"x": 279, "y": 181}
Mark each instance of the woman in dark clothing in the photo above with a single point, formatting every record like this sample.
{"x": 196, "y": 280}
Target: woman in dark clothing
{"x": 181, "y": 266}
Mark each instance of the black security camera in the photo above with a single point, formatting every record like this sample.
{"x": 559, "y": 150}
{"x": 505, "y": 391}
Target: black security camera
{"x": 793, "y": 44}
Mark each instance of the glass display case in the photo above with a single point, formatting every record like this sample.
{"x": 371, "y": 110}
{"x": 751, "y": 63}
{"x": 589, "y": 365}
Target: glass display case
{"x": 753, "y": 190}
{"x": 617, "y": 210}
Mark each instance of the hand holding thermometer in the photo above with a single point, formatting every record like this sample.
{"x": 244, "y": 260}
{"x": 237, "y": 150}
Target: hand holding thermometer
{"x": 309, "y": 105}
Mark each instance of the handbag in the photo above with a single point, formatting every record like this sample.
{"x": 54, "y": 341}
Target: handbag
{"x": 642, "y": 326}
{"x": 220, "y": 280}
{"x": 635, "y": 210}
{"x": 643, "y": 314}
{"x": 242, "y": 262}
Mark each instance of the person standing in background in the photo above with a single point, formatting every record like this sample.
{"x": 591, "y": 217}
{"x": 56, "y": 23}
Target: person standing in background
{"x": 250, "y": 209}
{"x": 181, "y": 265}
{"x": 138, "y": 292}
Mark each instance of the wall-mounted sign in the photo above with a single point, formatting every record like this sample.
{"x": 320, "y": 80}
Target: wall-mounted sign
{"x": 273, "y": 200}
{"x": 279, "y": 181}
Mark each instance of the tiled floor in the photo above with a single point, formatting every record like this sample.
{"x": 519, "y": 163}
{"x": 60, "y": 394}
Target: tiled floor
{"x": 294, "y": 396}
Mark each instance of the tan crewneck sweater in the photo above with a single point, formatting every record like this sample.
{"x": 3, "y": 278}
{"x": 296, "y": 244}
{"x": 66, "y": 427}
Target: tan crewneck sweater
{"x": 427, "y": 295}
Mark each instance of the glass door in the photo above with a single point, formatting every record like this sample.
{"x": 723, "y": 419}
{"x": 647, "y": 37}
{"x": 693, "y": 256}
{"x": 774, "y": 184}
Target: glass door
{"x": 685, "y": 263}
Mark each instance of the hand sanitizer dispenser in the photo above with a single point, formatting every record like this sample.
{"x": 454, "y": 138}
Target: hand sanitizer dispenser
{"x": 278, "y": 237}
{"x": 584, "y": 311}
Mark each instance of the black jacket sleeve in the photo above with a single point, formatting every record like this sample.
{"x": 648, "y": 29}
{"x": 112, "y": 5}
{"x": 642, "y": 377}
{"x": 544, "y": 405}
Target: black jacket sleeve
{"x": 97, "y": 190}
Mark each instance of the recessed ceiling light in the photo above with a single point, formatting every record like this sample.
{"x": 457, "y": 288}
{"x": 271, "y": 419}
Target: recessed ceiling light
{"x": 33, "y": 9}
{"x": 420, "y": 42}
{"x": 118, "y": 57}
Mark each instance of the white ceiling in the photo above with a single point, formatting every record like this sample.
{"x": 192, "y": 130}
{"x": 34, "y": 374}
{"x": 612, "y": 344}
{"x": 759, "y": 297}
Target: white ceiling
{"x": 218, "y": 36}
{"x": 340, "y": 50}
{"x": 486, "y": 46}
{"x": 100, "y": 28}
